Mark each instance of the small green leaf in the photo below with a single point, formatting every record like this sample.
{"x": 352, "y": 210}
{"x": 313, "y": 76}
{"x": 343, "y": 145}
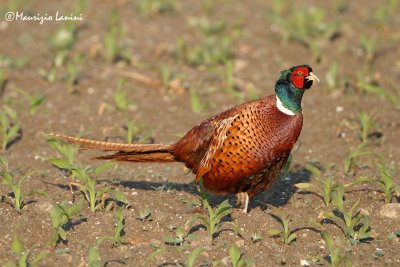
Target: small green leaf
{"x": 17, "y": 246}
{"x": 304, "y": 185}
{"x": 104, "y": 167}
{"x": 314, "y": 170}
{"x": 291, "y": 237}
{"x": 94, "y": 257}
{"x": 274, "y": 232}
{"x": 193, "y": 256}
{"x": 60, "y": 163}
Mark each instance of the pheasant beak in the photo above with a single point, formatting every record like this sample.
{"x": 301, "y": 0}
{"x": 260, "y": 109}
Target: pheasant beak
{"x": 312, "y": 77}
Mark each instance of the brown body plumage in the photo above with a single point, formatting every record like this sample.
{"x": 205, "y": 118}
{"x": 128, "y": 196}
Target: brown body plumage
{"x": 241, "y": 150}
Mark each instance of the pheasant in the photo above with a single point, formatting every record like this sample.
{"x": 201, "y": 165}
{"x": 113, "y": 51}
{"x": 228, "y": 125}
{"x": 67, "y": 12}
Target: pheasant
{"x": 241, "y": 150}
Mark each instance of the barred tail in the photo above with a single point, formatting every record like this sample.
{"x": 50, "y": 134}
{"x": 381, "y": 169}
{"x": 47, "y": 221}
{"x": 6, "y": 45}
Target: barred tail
{"x": 126, "y": 152}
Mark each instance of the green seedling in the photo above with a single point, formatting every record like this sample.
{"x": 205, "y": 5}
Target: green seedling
{"x": 112, "y": 50}
{"x": 230, "y": 87}
{"x": 351, "y": 161}
{"x": 134, "y": 130}
{"x": 118, "y": 238}
{"x": 355, "y": 225}
{"x": 49, "y": 75}
{"x": 23, "y": 255}
{"x": 206, "y": 26}
{"x": 4, "y": 161}
{"x": 18, "y": 195}
{"x": 237, "y": 257}
{"x": 165, "y": 186}
{"x": 121, "y": 101}
{"x": 286, "y": 235}
{"x": 333, "y": 78}
{"x": 191, "y": 259}
{"x": 10, "y": 127}
{"x": 304, "y": 25}
{"x": 34, "y": 101}
{"x": 256, "y": 237}
{"x": 326, "y": 188}
{"x": 87, "y": 180}
{"x": 370, "y": 46}
{"x": 61, "y": 215}
{"x": 68, "y": 154}
{"x": 73, "y": 69}
{"x": 178, "y": 238}
{"x": 94, "y": 257}
{"x": 12, "y": 63}
{"x": 386, "y": 12}
{"x": 196, "y": 103}
{"x": 365, "y": 83}
{"x": 144, "y": 215}
{"x": 210, "y": 51}
{"x": 153, "y": 255}
{"x": 80, "y": 6}
{"x": 154, "y": 7}
{"x": 3, "y": 80}
{"x": 213, "y": 220}
{"x": 337, "y": 255}
{"x": 367, "y": 125}
{"x": 386, "y": 183}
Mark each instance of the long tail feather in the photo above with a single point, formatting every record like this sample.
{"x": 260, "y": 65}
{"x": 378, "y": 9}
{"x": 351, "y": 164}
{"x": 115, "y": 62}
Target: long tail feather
{"x": 126, "y": 152}
{"x": 140, "y": 157}
{"x": 108, "y": 146}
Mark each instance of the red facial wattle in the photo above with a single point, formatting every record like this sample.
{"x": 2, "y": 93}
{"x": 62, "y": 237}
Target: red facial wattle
{"x": 298, "y": 76}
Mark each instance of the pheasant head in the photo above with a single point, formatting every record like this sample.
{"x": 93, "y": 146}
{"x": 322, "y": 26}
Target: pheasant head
{"x": 290, "y": 87}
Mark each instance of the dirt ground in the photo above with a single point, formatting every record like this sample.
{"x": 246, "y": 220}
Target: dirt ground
{"x": 86, "y": 107}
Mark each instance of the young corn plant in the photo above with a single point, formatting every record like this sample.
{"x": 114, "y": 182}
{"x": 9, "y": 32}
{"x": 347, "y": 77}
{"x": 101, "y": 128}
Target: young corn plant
{"x": 385, "y": 183}
{"x": 61, "y": 216}
{"x": 144, "y": 215}
{"x": 121, "y": 101}
{"x": 18, "y": 201}
{"x": 10, "y": 127}
{"x": 213, "y": 220}
{"x": 367, "y": 125}
{"x": 212, "y": 50}
{"x": 365, "y": 83}
{"x": 24, "y": 256}
{"x": 87, "y": 180}
{"x": 113, "y": 51}
{"x": 355, "y": 225}
{"x": 68, "y": 154}
{"x": 307, "y": 26}
{"x": 326, "y": 188}
{"x": 94, "y": 257}
{"x": 370, "y": 46}
{"x": 237, "y": 258}
{"x": 286, "y": 235}
{"x": 178, "y": 238}
{"x": 119, "y": 232}
{"x": 337, "y": 255}
{"x": 351, "y": 162}
{"x": 34, "y": 101}
{"x": 154, "y": 7}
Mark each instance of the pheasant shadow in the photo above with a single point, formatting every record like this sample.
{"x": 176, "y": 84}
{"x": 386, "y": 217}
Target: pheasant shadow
{"x": 283, "y": 189}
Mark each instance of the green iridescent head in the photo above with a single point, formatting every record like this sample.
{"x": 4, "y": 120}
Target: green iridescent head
{"x": 292, "y": 84}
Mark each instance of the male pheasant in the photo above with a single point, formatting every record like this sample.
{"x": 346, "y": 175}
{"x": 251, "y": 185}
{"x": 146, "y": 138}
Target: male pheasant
{"x": 241, "y": 150}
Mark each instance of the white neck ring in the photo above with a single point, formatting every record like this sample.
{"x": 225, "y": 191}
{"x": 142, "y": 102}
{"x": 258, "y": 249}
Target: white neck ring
{"x": 282, "y": 108}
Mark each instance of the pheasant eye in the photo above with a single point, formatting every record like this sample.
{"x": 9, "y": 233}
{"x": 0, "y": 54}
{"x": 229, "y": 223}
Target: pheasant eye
{"x": 299, "y": 72}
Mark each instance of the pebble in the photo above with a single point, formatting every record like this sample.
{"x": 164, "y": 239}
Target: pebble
{"x": 390, "y": 210}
